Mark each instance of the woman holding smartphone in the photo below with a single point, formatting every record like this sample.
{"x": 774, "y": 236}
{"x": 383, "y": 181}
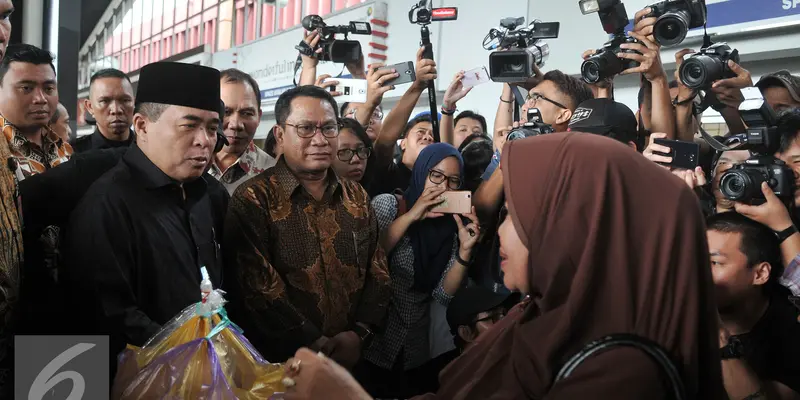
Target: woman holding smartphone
{"x": 422, "y": 244}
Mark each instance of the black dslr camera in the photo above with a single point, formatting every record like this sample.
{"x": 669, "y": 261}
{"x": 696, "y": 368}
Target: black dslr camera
{"x": 338, "y": 51}
{"x": 533, "y": 127}
{"x": 525, "y": 45}
{"x": 711, "y": 64}
{"x": 743, "y": 182}
{"x": 675, "y": 18}
{"x": 605, "y": 63}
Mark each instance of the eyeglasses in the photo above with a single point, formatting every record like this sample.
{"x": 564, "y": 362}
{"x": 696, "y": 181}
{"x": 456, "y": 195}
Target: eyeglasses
{"x": 306, "y": 131}
{"x": 346, "y": 155}
{"x": 533, "y": 96}
{"x": 437, "y": 177}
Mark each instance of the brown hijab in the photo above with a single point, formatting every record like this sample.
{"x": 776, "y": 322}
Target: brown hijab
{"x": 617, "y": 245}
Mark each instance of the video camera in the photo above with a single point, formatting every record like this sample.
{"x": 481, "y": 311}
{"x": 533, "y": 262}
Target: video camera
{"x": 526, "y": 48}
{"x": 700, "y": 70}
{"x": 605, "y": 63}
{"x": 675, "y": 18}
{"x": 533, "y": 127}
{"x": 742, "y": 182}
{"x": 338, "y": 51}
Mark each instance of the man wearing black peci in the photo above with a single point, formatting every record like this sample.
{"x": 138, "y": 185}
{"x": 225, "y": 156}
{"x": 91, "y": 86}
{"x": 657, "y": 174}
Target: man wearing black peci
{"x": 138, "y": 238}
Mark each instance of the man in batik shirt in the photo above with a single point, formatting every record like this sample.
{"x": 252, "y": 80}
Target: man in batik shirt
{"x": 304, "y": 268}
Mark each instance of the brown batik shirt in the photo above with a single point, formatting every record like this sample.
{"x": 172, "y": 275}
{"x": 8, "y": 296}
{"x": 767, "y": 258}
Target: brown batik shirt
{"x": 298, "y": 268}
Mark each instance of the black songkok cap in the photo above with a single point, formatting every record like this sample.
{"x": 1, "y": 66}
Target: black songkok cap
{"x": 179, "y": 84}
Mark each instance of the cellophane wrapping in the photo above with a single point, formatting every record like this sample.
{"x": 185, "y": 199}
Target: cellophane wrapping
{"x": 197, "y": 355}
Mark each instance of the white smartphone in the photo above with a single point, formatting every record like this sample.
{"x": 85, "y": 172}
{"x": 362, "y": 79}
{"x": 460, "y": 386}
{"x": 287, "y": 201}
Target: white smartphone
{"x": 352, "y": 90}
{"x": 475, "y": 77}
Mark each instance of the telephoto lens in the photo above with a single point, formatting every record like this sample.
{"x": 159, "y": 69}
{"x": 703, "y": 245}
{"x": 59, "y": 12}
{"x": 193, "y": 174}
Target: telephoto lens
{"x": 711, "y": 64}
{"x": 671, "y": 28}
{"x": 605, "y": 63}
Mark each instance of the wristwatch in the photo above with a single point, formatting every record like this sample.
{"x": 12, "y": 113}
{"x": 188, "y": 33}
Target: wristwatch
{"x": 734, "y": 349}
{"x": 365, "y": 334}
{"x": 784, "y": 234}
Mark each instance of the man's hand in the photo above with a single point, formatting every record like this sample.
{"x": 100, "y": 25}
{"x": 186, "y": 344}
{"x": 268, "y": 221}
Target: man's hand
{"x": 325, "y": 85}
{"x": 601, "y": 89}
{"x": 649, "y": 59}
{"x": 312, "y": 40}
{"x": 772, "y": 213}
{"x": 375, "y": 83}
{"x": 652, "y": 146}
{"x": 425, "y": 70}
{"x": 344, "y": 348}
{"x": 729, "y": 91}
{"x": 643, "y": 25}
{"x": 455, "y": 92}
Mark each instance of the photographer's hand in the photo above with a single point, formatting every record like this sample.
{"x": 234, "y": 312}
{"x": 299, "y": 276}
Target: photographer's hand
{"x": 376, "y": 78}
{"x": 312, "y": 40}
{"x": 649, "y": 59}
{"x": 729, "y": 91}
{"x": 425, "y": 70}
{"x": 694, "y": 179}
{"x": 325, "y": 85}
{"x": 643, "y": 25}
{"x": 652, "y": 146}
{"x": 773, "y": 213}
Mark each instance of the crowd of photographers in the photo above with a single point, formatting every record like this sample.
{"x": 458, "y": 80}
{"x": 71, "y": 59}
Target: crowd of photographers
{"x": 432, "y": 255}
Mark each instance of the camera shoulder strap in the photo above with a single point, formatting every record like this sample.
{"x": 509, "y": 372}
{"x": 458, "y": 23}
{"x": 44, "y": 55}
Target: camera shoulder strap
{"x": 519, "y": 100}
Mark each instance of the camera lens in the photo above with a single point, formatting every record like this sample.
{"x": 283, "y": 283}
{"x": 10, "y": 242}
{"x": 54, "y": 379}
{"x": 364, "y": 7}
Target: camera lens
{"x": 699, "y": 71}
{"x": 590, "y": 71}
{"x": 510, "y": 66}
{"x": 672, "y": 27}
{"x": 741, "y": 184}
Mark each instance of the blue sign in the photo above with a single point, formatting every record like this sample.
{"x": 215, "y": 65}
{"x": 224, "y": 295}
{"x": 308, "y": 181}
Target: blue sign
{"x": 732, "y": 12}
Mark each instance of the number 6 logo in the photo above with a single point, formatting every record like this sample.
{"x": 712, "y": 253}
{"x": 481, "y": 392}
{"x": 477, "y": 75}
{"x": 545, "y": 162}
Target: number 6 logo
{"x": 46, "y": 380}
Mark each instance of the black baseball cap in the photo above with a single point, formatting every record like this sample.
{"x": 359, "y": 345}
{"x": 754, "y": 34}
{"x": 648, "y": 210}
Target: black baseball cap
{"x": 605, "y": 117}
{"x": 470, "y": 301}
{"x": 781, "y": 78}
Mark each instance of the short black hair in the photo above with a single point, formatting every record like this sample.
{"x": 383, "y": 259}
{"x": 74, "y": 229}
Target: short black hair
{"x": 233, "y": 75}
{"x": 472, "y": 115}
{"x": 109, "y": 73}
{"x": 414, "y": 121}
{"x": 358, "y": 130}
{"x": 25, "y": 53}
{"x": 472, "y": 138}
{"x": 789, "y": 128}
{"x": 283, "y": 105}
{"x": 343, "y": 110}
{"x": 758, "y": 243}
{"x": 477, "y": 155}
{"x": 270, "y": 143}
{"x": 152, "y": 111}
{"x": 572, "y": 87}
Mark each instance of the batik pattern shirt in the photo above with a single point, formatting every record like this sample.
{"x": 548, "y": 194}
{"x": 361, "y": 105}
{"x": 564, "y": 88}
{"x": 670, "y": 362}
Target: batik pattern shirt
{"x": 252, "y": 162}
{"x": 10, "y": 260}
{"x": 32, "y": 159}
{"x": 301, "y": 268}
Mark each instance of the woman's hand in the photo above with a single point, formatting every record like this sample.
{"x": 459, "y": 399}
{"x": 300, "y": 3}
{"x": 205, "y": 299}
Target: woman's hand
{"x": 311, "y": 376}
{"x": 431, "y": 197}
{"x": 467, "y": 234}
{"x": 652, "y": 146}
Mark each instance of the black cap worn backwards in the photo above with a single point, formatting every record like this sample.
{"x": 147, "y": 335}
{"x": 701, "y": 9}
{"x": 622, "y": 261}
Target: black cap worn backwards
{"x": 179, "y": 84}
{"x": 605, "y": 117}
{"x": 470, "y": 301}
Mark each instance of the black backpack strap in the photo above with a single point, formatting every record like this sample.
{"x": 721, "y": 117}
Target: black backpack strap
{"x": 628, "y": 340}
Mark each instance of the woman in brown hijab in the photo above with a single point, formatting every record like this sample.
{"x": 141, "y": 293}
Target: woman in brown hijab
{"x": 604, "y": 242}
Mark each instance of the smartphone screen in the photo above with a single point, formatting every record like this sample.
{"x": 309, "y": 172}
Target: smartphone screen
{"x": 406, "y": 72}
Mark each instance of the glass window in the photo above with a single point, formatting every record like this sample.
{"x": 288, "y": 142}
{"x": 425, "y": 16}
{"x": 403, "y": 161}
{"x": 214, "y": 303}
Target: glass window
{"x": 136, "y": 22}
{"x": 147, "y": 18}
{"x": 209, "y": 3}
{"x": 169, "y": 14}
{"x": 126, "y": 28}
{"x": 181, "y": 8}
{"x": 267, "y": 19}
{"x": 195, "y": 7}
{"x": 239, "y": 24}
{"x": 210, "y": 33}
{"x": 159, "y": 9}
{"x": 225, "y": 25}
{"x": 251, "y": 21}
